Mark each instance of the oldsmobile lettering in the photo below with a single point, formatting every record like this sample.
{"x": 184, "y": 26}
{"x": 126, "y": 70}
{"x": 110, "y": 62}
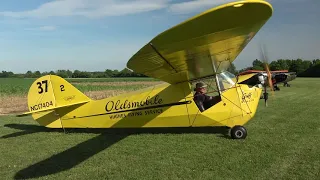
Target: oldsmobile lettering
{"x": 118, "y": 105}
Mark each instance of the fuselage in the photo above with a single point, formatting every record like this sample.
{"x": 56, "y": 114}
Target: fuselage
{"x": 164, "y": 105}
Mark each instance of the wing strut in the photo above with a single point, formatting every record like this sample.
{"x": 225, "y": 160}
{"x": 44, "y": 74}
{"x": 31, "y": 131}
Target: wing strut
{"x": 215, "y": 71}
{"x": 154, "y": 48}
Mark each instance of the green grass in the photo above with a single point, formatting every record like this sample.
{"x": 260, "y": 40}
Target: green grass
{"x": 283, "y": 143}
{"x": 20, "y": 86}
{"x": 14, "y": 86}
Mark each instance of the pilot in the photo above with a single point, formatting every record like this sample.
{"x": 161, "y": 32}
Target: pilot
{"x": 202, "y": 100}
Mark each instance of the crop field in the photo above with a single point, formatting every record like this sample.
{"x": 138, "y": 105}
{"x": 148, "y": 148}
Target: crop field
{"x": 14, "y": 91}
{"x": 19, "y": 86}
{"x": 283, "y": 141}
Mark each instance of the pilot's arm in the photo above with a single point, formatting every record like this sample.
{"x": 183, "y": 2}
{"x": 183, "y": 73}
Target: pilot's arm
{"x": 199, "y": 99}
{"x": 201, "y": 106}
{"x": 207, "y": 98}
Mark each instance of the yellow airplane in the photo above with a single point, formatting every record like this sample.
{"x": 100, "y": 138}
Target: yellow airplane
{"x": 197, "y": 50}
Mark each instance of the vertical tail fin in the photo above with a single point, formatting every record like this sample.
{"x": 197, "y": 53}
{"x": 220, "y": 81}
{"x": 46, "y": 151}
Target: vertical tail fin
{"x": 48, "y": 93}
{"x": 53, "y": 91}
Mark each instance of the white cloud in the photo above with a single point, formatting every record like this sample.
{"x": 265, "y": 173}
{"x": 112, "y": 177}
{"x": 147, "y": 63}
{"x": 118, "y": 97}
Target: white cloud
{"x": 101, "y": 8}
{"x": 201, "y": 5}
{"x": 89, "y": 8}
{"x": 47, "y": 28}
{"x": 43, "y": 28}
{"x": 191, "y": 6}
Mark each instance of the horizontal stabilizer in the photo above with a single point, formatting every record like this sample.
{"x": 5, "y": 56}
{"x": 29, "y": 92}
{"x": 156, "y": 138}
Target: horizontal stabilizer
{"x": 49, "y": 109}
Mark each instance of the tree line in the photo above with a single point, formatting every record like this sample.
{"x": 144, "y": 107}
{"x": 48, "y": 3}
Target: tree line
{"x": 108, "y": 73}
{"x": 303, "y": 68}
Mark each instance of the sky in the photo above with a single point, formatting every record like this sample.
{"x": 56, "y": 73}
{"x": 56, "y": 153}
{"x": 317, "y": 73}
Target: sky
{"x": 94, "y": 35}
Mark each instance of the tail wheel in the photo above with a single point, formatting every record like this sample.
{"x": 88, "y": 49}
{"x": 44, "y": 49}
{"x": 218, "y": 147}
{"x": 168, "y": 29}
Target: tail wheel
{"x": 238, "y": 132}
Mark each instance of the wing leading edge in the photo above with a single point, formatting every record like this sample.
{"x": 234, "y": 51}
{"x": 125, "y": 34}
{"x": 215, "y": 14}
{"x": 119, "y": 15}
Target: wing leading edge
{"x": 203, "y": 45}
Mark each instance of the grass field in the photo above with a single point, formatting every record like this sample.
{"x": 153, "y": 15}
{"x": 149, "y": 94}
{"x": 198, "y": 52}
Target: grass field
{"x": 283, "y": 143}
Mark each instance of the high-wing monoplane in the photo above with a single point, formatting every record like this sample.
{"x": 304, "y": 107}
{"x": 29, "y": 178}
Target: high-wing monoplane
{"x": 195, "y": 52}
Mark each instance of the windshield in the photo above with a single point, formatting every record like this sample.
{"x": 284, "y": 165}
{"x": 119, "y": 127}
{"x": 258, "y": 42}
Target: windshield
{"x": 225, "y": 80}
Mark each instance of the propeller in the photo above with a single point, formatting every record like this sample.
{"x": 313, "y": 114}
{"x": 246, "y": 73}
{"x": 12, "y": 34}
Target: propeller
{"x": 268, "y": 82}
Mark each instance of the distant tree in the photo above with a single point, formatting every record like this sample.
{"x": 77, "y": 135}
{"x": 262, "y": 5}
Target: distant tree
{"x": 29, "y": 74}
{"x": 5, "y": 74}
{"x": 62, "y": 73}
{"x": 115, "y": 72}
{"x": 69, "y": 73}
{"x": 245, "y": 69}
{"x": 260, "y": 68}
{"x": 232, "y": 69}
{"x": 257, "y": 65}
{"x": 37, "y": 74}
{"x": 313, "y": 71}
{"x": 283, "y": 64}
{"x": 275, "y": 65}
{"x": 303, "y": 68}
{"x": 297, "y": 66}
{"x": 85, "y": 74}
{"x": 125, "y": 73}
{"x": 76, "y": 74}
{"x": 315, "y": 62}
{"x": 306, "y": 65}
{"x": 108, "y": 72}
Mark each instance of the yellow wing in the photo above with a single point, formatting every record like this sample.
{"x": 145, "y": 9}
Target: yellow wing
{"x": 203, "y": 45}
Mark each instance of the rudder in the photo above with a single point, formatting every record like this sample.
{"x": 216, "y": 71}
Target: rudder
{"x": 48, "y": 93}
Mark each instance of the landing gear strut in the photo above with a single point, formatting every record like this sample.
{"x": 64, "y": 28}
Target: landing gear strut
{"x": 238, "y": 132}
{"x": 286, "y": 84}
{"x": 276, "y": 88}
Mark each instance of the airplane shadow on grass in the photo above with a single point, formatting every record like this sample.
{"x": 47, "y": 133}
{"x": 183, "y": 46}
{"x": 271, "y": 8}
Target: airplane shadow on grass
{"x": 79, "y": 153}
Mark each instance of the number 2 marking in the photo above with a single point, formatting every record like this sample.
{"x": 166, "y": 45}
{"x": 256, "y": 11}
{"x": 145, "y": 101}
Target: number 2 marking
{"x": 62, "y": 87}
{"x": 40, "y": 86}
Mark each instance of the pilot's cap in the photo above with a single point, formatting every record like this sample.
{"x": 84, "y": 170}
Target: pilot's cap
{"x": 200, "y": 85}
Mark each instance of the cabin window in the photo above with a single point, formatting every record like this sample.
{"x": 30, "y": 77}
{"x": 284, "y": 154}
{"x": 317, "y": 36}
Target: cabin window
{"x": 226, "y": 80}
{"x": 209, "y": 95}
{"x": 206, "y": 94}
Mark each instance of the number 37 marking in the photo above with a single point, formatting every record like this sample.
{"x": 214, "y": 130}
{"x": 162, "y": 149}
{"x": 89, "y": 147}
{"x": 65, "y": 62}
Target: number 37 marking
{"x": 40, "y": 86}
{"x": 45, "y": 82}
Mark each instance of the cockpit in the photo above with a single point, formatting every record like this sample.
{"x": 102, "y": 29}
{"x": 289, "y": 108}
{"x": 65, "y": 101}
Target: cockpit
{"x": 207, "y": 91}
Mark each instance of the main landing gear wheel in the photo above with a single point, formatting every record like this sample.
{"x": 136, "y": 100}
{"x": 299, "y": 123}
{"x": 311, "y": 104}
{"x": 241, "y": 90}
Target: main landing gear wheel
{"x": 238, "y": 132}
{"x": 286, "y": 85}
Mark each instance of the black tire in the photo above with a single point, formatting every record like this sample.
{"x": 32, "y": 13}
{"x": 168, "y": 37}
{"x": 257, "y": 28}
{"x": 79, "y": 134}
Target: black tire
{"x": 238, "y": 132}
